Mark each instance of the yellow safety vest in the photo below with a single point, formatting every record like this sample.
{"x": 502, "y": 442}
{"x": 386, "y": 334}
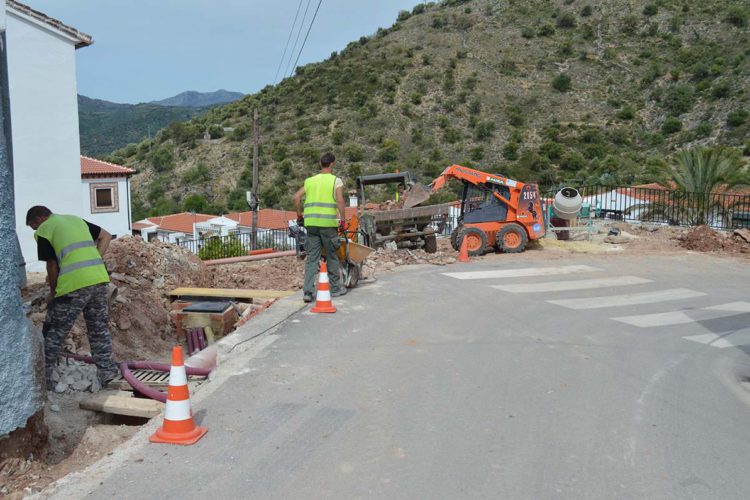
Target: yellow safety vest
{"x": 320, "y": 201}
{"x": 77, "y": 256}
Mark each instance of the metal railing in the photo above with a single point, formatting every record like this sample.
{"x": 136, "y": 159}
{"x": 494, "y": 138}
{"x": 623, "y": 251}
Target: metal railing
{"x": 239, "y": 244}
{"x": 663, "y": 206}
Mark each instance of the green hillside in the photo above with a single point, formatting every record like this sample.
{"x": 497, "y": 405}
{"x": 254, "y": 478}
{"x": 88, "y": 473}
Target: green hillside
{"x": 538, "y": 90}
{"x": 105, "y": 126}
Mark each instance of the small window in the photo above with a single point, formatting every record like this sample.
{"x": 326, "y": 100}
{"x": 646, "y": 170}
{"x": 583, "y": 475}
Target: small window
{"x": 104, "y": 198}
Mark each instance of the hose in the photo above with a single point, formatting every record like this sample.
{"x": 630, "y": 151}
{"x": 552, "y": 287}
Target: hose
{"x": 126, "y": 366}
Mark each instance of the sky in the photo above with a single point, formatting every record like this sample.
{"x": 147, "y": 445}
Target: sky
{"x": 147, "y": 50}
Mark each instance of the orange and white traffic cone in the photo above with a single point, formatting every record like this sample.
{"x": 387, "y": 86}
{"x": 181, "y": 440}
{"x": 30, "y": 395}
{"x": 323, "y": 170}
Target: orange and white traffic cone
{"x": 463, "y": 253}
{"x": 323, "y": 302}
{"x": 178, "y": 427}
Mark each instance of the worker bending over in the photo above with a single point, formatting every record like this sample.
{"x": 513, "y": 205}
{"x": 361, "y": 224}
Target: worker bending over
{"x": 73, "y": 250}
{"x": 324, "y": 197}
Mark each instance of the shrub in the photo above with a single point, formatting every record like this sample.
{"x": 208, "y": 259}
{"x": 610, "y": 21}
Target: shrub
{"x": 403, "y": 15}
{"x": 475, "y": 107}
{"x": 352, "y": 152}
{"x": 737, "y": 16}
{"x": 629, "y": 25}
{"x": 388, "y": 150}
{"x": 197, "y": 174}
{"x": 451, "y": 135}
{"x": 240, "y": 133}
{"x": 721, "y": 90}
{"x": 737, "y": 117}
{"x": 671, "y": 125}
{"x": 220, "y": 247}
{"x": 626, "y": 113}
{"x": 566, "y": 21}
{"x": 650, "y": 10}
{"x": 476, "y": 153}
{"x": 216, "y": 131}
{"x": 586, "y": 11}
{"x": 546, "y": 30}
{"x": 161, "y": 159}
{"x": 484, "y": 131}
{"x": 679, "y": 99}
{"x": 510, "y": 151}
{"x": 418, "y": 9}
{"x": 703, "y": 130}
{"x": 561, "y": 82}
{"x": 527, "y": 32}
{"x": 196, "y": 202}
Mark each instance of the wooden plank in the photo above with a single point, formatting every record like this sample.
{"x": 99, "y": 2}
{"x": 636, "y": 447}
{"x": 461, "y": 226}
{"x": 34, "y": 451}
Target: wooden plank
{"x": 229, "y": 293}
{"x": 107, "y": 402}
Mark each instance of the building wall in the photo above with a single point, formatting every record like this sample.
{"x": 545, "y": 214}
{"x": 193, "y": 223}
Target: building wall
{"x": 44, "y": 121}
{"x": 115, "y": 220}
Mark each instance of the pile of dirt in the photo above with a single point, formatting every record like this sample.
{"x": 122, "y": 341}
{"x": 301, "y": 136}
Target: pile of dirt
{"x": 285, "y": 273}
{"x": 705, "y": 239}
{"x": 384, "y": 259}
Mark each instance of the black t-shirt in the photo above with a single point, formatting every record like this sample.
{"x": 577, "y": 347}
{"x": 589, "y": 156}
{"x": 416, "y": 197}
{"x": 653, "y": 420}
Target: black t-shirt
{"x": 45, "y": 251}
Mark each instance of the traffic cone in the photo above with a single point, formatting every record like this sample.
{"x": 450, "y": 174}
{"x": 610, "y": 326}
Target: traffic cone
{"x": 178, "y": 427}
{"x": 323, "y": 302}
{"x": 463, "y": 253}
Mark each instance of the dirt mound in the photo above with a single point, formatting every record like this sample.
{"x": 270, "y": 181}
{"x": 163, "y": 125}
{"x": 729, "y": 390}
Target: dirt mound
{"x": 285, "y": 273}
{"x": 144, "y": 273}
{"x": 705, "y": 239}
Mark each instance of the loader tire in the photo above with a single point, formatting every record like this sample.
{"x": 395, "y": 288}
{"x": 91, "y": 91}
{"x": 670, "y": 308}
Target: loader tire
{"x": 511, "y": 239}
{"x": 477, "y": 240}
{"x": 454, "y": 237}
{"x": 430, "y": 243}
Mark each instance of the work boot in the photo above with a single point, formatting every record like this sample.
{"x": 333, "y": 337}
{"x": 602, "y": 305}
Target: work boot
{"x": 307, "y": 297}
{"x": 339, "y": 292}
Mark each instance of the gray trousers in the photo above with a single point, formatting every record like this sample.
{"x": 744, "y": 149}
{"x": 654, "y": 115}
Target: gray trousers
{"x": 62, "y": 314}
{"x": 317, "y": 239}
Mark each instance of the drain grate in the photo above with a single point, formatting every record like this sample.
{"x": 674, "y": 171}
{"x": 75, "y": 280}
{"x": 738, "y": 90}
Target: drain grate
{"x": 152, "y": 378}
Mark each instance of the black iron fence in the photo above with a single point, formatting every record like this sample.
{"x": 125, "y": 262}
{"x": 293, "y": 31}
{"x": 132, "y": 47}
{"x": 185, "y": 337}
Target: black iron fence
{"x": 239, "y": 244}
{"x": 663, "y": 206}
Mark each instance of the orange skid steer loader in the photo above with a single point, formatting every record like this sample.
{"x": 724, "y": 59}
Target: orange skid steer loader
{"x": 495, "y": 211}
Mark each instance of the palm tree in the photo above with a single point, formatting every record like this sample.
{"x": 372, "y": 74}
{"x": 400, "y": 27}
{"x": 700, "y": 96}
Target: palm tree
{"x": 698, "y": 176}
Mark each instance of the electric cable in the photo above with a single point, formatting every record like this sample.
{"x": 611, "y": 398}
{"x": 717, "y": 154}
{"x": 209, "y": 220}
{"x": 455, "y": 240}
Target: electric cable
{"x": 299, "y": 32}
{"x": 283, "y": 56}
{"x": 306, "y": 35}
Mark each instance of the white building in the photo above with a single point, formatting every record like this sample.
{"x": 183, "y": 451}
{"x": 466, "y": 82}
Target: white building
{"x": 106, "y": 195}
{"x": 44, "y": 117}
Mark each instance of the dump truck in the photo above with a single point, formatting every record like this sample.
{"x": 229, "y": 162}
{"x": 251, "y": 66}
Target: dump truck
{"x": 494, "y": 211}
{"x": 406, "y": 225}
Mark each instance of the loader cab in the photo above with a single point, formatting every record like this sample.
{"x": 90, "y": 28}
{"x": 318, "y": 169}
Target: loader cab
{"x": 478, "y": 203}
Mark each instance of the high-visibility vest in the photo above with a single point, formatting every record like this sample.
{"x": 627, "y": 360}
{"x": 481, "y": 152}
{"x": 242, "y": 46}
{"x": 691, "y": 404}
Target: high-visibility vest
{"x": 320, "y": 201}
{"x": 77, "y": 256}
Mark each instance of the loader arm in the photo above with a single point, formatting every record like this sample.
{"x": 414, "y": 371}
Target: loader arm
{"x": 474, "y": 177}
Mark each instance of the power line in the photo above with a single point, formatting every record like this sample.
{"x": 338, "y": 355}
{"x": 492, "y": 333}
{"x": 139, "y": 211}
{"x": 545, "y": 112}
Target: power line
{"x": 283, "y": 56}
{"x": 299, "y": 32}
{"x": 306, "y": 35}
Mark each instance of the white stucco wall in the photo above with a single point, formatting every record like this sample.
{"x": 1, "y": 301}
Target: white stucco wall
{"x": 117, "y": 223}
{"x": 44, "y": 121}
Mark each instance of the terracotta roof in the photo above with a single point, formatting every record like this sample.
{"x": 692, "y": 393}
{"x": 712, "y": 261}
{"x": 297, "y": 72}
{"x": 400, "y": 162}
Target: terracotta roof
{"x": 141, "y": 225}
{"x": 91, "y": 167}
{"x": 82, "y": 39}
{"x": 178, "y": 223}
{"x": 268, "y": 218}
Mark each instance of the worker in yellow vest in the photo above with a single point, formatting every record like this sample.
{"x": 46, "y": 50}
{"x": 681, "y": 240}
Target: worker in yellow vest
{"x": 324, "y": 199}
{"x": 73, "y": 250}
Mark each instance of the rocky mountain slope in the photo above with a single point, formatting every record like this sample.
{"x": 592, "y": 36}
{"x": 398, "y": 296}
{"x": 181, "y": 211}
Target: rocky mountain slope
{"x": 540, "y": 90}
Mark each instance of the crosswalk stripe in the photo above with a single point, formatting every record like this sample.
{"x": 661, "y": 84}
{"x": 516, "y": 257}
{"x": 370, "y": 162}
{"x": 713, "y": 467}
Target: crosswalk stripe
{"x": 628, "y": 299}
{"x": 517, "y": 273}
{"x": 733, "y": 339}
{"x": 558, "y": 286}
{"x": 685, "y": 316}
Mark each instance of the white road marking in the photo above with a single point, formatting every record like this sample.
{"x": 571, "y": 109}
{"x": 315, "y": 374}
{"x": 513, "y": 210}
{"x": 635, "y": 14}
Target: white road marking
{"x": 558, "y": 286}
{"x": 685, "y": 316}
{"x": 729, "y": 339}
{"x": 526, "y": 271}
{"x": 628, "y": 299}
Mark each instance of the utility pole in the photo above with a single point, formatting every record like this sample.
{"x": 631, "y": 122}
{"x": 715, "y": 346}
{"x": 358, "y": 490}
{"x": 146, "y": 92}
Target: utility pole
{"x": 255, "y": 178}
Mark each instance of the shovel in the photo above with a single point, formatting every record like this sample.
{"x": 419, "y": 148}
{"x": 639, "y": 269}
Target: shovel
{"x": 415, "y": 194}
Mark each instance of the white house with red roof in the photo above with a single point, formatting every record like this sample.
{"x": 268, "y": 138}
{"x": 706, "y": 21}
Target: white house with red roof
{"x": 41, "y": 54}
{"x": 106, "y": 195}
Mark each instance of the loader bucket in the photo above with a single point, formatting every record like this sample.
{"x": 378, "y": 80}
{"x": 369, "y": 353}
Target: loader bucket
{"x": 415, "y": 195}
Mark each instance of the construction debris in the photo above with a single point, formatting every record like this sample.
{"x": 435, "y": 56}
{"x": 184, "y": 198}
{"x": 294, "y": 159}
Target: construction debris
{"x": 74, "y": 375}
{"x": 705, "y": 239}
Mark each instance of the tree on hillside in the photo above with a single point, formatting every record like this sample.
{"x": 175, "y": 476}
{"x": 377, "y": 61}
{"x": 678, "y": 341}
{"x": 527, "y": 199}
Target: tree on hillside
{"x": 698, "y": 176}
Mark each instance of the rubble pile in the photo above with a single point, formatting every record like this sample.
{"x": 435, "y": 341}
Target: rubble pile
{"x": 705, "y": 239}
{"x": 144, "y": 273}
{"x": 74, "y": 375}
{"x": 387, "y": 259}
{"x": 285, "y": 273}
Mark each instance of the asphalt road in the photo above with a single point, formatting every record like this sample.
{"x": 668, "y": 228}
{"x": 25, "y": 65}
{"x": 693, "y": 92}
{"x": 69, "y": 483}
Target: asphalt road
{"x": 589, "y": 377}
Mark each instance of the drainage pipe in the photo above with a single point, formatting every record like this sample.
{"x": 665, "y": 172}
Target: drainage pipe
{"x": 251, "y": 258}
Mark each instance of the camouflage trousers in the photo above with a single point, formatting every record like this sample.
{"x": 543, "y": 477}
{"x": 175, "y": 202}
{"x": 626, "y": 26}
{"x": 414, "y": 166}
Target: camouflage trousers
{"x": 62, "y": 314}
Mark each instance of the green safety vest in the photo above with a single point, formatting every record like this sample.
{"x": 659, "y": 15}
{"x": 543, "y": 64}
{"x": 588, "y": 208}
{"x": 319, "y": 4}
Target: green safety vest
{"x": 77, "y": 256}
{"x": 320, "y": 201}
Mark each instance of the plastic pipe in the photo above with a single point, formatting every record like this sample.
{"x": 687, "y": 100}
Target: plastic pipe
{"x": 250, "y": 258}
{"x": 189, "y": 341}
{"x": 140, "y": 386}
{"x": 201, "y": 339}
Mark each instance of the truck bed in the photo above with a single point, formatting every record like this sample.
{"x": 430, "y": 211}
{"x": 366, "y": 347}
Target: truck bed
{"x": 409, "y": 213}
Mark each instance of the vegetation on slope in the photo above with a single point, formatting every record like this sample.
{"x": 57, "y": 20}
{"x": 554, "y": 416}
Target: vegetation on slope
{"x": 540, "y": 90}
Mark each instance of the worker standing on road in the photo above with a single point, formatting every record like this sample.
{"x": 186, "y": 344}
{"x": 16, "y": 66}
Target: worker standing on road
{"x": 73, "y": 250}
{"x": 324, "y": 197}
